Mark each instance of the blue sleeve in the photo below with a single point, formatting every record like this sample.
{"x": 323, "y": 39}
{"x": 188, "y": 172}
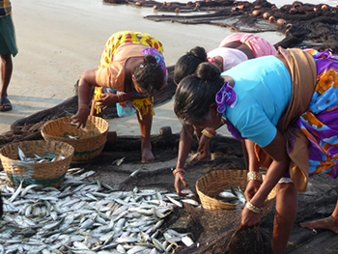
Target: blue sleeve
{"x": 253, "y": 124}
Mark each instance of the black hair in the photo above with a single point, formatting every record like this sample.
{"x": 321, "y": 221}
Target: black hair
{"x": 149, "y": 75}
{"x": 187, "y": 64}
{"x": 196, "y": 93}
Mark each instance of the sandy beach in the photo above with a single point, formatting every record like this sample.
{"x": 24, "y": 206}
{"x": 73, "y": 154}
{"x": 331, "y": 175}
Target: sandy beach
{"x": 58, "y": 40}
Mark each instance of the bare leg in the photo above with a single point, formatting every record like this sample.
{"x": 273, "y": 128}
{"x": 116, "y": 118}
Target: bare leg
{"x": 286, "y": 207}
{"x": 145, "y": 123}
{"x": 6, "y": 73}
{"x": 329, "y": 223}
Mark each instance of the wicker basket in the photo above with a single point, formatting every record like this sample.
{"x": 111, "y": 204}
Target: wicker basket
{"x": 45, "y": 173}
{"x": 209, "y": 186}
{"x": 91, "y": 139}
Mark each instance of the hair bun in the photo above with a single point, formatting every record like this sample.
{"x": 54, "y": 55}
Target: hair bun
{"x": 207, "y": 71}
{"x": 149, "y": 59}
{"x": 199, "y": 52}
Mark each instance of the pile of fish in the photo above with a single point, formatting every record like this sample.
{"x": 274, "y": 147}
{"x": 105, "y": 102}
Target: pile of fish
{"x": 234, "y": 195}
{"x": 47, "y": 157}
{"x": 88, "y": 217}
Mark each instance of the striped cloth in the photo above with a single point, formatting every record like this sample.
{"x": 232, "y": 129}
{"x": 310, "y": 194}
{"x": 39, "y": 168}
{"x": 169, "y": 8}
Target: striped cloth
{"x": 5, "y": 8}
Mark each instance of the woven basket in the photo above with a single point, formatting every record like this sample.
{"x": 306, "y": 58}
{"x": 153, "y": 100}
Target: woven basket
{"x": 91, "y": 140}
{"x": 45, "y": 173}
{"x": 209, "y": 186}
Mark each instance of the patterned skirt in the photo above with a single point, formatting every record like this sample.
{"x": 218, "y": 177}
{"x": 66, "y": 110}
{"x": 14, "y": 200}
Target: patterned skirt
{"x": 320, "y": 122}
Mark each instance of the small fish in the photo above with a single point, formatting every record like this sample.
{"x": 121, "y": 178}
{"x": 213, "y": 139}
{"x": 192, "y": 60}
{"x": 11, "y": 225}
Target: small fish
{"x": 191, "y": 202}
{"x": 187, "y": 241}
{"x": 21, "y": 154}
{"x": 73, "y": 137}
{"x": 227, "y": 195}
{"x": 175, "y": 202}
{"x": 16, "y": 193}
{"x": 118, "y": 162}
{"x": 86, "y": 217}
{"x": 239, "y": 193}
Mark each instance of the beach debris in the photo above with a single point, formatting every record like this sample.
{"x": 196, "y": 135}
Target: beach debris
{"x": 87, "y": 217}
{"x": 72, "y": 137}
{"x": 324, "y": 7}
{"x": 281, "y": 22}
{"x": 272, "y": 19}
{"x": 118, "y": 162}
{"x": 187, "y": 241}
{"x": 266, "y": 15}
{"x": 166, "y": 131}
{"x": 256, "y": 13}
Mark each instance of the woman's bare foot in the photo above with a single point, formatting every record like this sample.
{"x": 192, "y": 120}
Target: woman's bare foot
{"x": 328, "y": 223}
{"x": 147, "y": 156}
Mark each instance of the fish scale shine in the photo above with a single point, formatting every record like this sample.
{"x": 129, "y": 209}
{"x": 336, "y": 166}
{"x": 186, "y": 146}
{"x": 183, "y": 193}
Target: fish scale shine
{"x": 85, "y": 217}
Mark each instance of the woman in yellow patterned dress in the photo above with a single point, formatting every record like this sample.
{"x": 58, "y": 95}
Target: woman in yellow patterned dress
{"x": 131, "y": 70}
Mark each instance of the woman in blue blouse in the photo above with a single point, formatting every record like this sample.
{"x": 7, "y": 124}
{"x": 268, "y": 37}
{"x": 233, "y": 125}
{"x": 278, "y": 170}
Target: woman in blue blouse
{"x": 283, "y": 107}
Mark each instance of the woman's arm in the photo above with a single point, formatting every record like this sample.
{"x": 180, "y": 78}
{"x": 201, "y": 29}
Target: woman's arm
{"x": 254, "y": 177}
{"x": 86, "y": 85}
{"x": 186, "y": 137}
{"x": 253, "y": 164}
{"x": 279, "y": 166}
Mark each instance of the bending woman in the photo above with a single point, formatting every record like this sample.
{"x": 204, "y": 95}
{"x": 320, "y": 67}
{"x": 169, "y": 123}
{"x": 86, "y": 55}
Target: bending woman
{"x": 283, "y": 108}
{"x": 234, "y": 49}
{"x": 131, "y": 70}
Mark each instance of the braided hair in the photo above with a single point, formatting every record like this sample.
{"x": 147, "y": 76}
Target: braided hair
{"x": 187, "y": 64}
{"x": 196, "y": 93}
{"x": 149, "y": 75}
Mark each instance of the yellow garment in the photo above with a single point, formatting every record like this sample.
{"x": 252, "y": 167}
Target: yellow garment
{"x": 144, "y": 106}
{"x": 126, "y": 38}
{"x": 111, "y": 72}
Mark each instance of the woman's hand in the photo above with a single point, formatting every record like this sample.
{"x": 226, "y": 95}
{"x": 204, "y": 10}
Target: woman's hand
{"x": 180, "y": 181}
{"x": 80, "y": 118}
{"x": 251, "y": 189}
{"x": 107, "y": 100}
{"x": 203, "y": 149}
{"x": 249, "y": 219}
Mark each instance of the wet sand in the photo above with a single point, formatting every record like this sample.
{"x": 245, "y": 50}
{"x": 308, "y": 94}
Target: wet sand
{"x": 59, "y": 40}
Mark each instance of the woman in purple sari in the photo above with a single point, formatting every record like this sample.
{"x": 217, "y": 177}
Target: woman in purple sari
{"x": 284, "y": 108}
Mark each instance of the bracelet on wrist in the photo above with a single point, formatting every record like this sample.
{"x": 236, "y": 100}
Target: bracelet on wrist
{"x": 178, "y": 170}
{"x": 254, "y": 176}
{"x": 253, "y": 208}
{"x": 209, "y": 133}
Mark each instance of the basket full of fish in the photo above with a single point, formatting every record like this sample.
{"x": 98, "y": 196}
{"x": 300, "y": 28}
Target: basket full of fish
{"x": 224, "y": 189}
{"x": 36, "y": 162}
{"x": 88, "y": 142}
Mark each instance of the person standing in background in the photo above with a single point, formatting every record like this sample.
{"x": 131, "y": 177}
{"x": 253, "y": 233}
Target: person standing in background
{"x": 7, "y": 49}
